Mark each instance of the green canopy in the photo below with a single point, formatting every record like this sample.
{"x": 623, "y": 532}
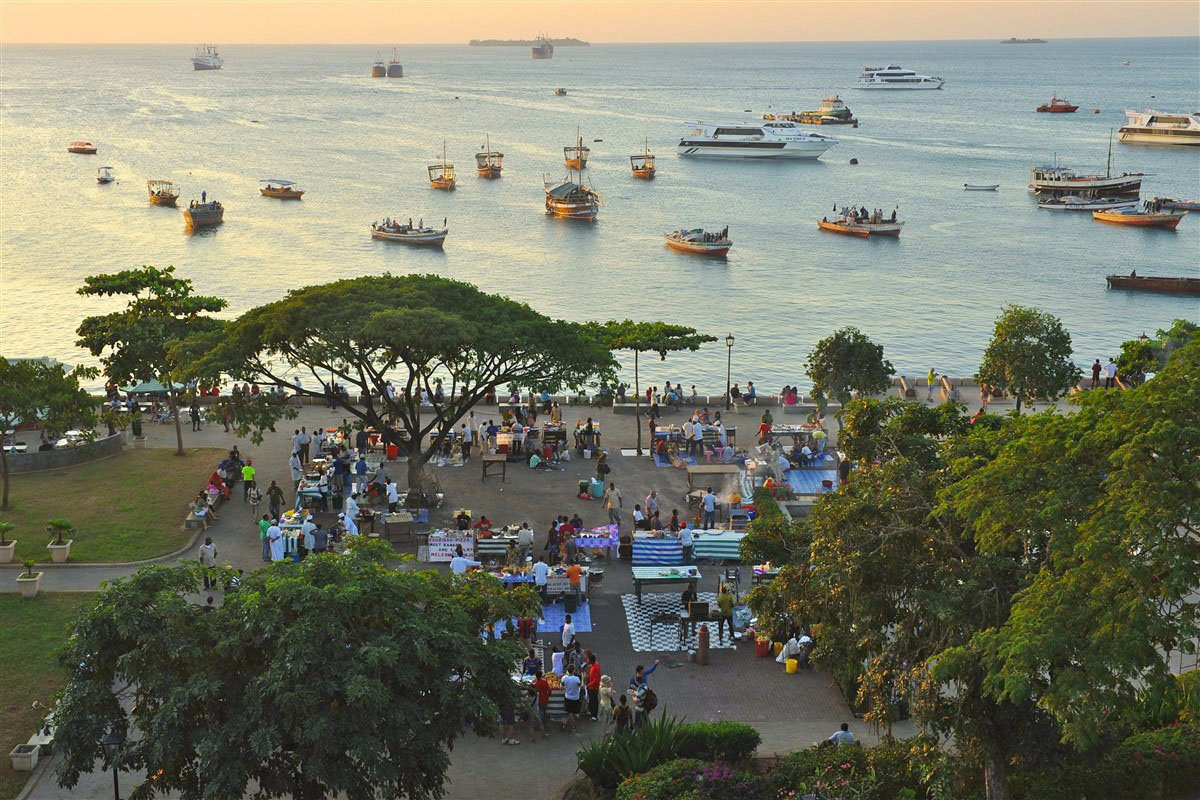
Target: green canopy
{"x": 148, "y": 387}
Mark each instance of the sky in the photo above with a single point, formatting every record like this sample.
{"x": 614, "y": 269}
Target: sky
{"x": 456, "y": 21}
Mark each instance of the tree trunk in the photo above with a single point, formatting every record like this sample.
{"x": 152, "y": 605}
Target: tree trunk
{"x": 4, "y": 469}
{"x": 995, "y": 773}
{"x": 637, "y": 405}
{"x": 178, "y": 425}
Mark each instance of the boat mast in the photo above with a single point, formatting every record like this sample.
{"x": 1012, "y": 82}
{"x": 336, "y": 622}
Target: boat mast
{"x": 1108, "y": 167}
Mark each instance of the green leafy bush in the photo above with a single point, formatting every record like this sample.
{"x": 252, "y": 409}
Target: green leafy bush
{"x": 692, "y": 779}
{"x": 612, "y": 758}
{"x": 728, "y": 742}
{"x": 892, "y": 769}
{"x": 1163, "y": 763}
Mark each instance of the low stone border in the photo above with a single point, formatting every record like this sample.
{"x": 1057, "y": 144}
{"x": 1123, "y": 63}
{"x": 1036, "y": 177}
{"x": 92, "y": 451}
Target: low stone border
{"x": 45, "y": 460}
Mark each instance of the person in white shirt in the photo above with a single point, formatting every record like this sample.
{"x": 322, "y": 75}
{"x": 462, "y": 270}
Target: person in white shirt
{"x": 639, "y": 519}
{"x": 459, "y": 564}
{"x": 556, "y": 661}
{"x": 393, "y": 496}
{"x": 720, "y": 428}
{"x": 349, "y": 523}
{"x": 698, "y": 437}
{"x": 568, "y": 632}
{"x": 571, "y": 701}
{"x": 652, "y": 504}
{"x": 296, "y": 442}
{"x": 842, "y": 736}
{"x": 525, "y": 541}
{"x": 323, "y": 486}
{"x": 685, "y": 539}
{"x": 687, "y": 436}
{"x": 518, "y": 432}
{"x": 473, "y": 424}
{"x": 306, "y": 531}
{"x": 541, "y": 570}
{"x": 318, "y": 442}
{"x": 297, "y": 469}
{"x": 467, "y": 437}
{"x": 208, "y": 557}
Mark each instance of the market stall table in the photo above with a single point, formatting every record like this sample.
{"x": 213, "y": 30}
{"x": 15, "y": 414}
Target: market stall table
{"x": 557, "y": 581}
{"x": 763, "y": 575}
{"x": 653, "y": 576}
{"x": 491, "y": 460}
{"x": 718, "y": 545}
{"x": 605, "y": 536}
{"x": 715, "y": 470}
{"x": 398, "y": 524}
{"x": 648, "y": 549}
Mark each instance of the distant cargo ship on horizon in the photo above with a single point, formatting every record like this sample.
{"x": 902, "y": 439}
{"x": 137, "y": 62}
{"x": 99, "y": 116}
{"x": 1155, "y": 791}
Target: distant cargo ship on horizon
{"x": 1022, "y": 41}
{"x": 567, "y": 42}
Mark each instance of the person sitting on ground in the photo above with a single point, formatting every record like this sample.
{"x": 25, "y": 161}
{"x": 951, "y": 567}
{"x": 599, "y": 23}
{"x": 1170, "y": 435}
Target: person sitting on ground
{"x": 842, "y": 736}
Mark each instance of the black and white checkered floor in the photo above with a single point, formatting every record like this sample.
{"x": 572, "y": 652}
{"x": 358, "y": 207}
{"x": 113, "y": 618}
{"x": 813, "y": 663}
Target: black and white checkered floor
{"x": 648, "y": 636}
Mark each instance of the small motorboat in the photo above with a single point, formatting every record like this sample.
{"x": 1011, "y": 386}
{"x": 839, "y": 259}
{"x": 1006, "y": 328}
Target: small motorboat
{"x": 441, "y": 175}
{"x": 202, "y": 213}
{"x": 1152, "y": 283}
{"x": 104, "y": 175}
{"x": 1075, "y": 203}
{"x": 855, "y": 221}
{"x": 981, "y": 187}
{"x": 1149, "y": 216}
{"x": 378, "y": 70}
{"x": 284, "y": 190}
{"x": 1178, "y": 205}
{"x": 394, "y": 230}
{"x": 162, "y": 193}
{"x": 560, "y": 92}
{"x": 82, "y": 148}
{"x": 697, "y": 240}
{"x": 1057, "y": 106}
{"x": 643, "y": 163}
{"x": 489, "y": 163}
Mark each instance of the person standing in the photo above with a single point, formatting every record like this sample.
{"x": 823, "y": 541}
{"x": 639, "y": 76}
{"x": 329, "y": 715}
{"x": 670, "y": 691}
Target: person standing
{"x": 320, "y": 540}
{"x": 541, "y": 570}
{"x": 307, "y": 540}
{"x": 275, "y": 539}
{"x": 574, "y": 571}
{"x": 710, "y": 509}
{"x": 612, "y": 501}
{"x": 393, "y": 497}
{"x": 1096, "y": 373}
{"x": 651, "y": 504}
{"x": 525, "y": 542}
{"x": 247, "y": 478}
{"x": 930, "y": 381}
{"x": 194, "y": 413}
{"x": 687, "y": 541}
{"x": 725, "y": 617}
{"x": 568, "y": 632}
{"x": 622, "y": 716}
{"x": 208, "y": 558}
{"x": 255, "y": 497}
{"x": 360, "y": 473}
{"x": 296, "y": 441}
{"x": 274, "y": 500}
{"x": 1110, "y": 374}
{"x": 467, "y": 440}
{"x": 697, "y": 437}
{"x": 571, "y": 684}
{"x": 305, "y": 441}
{"x": 318, "y": 442}
{"x": 541, "y": 688}
{"x": 264, "y": 525}
{"x": 687, "y": 436}
{"x": 297, "y": 469}
{"x": 593, "y": 685}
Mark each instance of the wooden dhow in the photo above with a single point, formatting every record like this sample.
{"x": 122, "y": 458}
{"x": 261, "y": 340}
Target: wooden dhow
{"x": 855, "y": 221}
{"x": 489, "y": 163}
{"x": 571, "y": 200}
{"x": 202, "y": 213}
{"x": 393, "y": 230}
{"x": 576, "y": 155}
{"x": 1153, "y": 283}
{"x": 162, "y": 193}
{"x": 284, "y": 190}
{"x": 699, "y": 241}
{"x": 643, "y": 163}
{"x": 441, "y": 175}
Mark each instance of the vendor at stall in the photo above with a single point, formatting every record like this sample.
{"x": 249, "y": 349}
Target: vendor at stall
{"x": 463, "y": 520}
{"x": 460, "y": 563}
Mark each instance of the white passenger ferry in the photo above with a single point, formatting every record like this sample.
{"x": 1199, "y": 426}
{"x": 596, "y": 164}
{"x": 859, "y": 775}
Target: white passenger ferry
{"x": 894, "y": 76}
{"x": 763, "y": 140}
{"x": 1151, "y": 127}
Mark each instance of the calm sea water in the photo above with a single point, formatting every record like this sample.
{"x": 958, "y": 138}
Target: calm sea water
{"x": 360, "y": 147}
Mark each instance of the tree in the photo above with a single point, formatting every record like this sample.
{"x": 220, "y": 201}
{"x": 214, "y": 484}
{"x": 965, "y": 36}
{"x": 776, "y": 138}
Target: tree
{"x": 415, "y": 330}
{"x": 1142, "y": 355}
{"x": 647, "y": 337}
{"x": 133, "y": 344}
{"x": 845, "y": 362}
{"x": 337, "y": 676}
{"x": 37, "y": 392}
{"x": 1015, "y": 582}
{"x": 1029, "y": 356}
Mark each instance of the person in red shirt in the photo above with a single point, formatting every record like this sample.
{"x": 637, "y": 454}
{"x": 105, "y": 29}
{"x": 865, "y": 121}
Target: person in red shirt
{"x": 573, "y": 573}
{"x": 764, "y": 433}
{"x": 542, "y": 687}
{"x": 593, "y": 685}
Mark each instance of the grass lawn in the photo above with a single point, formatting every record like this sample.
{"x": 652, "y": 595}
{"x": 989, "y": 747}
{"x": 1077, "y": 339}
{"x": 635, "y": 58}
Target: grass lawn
{"x": 125, "y": 508}
{"x": 30, "y": 632}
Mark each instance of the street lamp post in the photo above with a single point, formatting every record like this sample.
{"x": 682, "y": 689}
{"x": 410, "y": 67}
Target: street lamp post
{"x": 111, "y": 743}
{"x": 728, "y": 368}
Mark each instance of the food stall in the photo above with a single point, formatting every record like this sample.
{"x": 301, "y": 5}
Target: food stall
{"x": 606, "y": 536}
{"x": 442, "y": 545}
{"x": 658, "y": 548}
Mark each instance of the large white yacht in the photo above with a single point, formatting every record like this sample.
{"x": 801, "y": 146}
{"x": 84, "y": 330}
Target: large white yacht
{"x": 894, "y": 76}
{"x": 206, "y": 57}
{"x": 1151, "y": 127}
{"x": 748, "y": 140}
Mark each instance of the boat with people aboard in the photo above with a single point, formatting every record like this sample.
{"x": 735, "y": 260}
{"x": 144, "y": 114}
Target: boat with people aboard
{"x": 1057, "y": 106}
{"x": 1179, "y": 205}
{"x": 981, "y": 187}
{"x": 895, "y": 76}
{"x": 82, "y": 148}
{"x": 543, "y": 48}
{"x": 858, "y": 221}
{"x": 771, "y": 139}
{"x": 832, "y": 111}
{"x": 643, "y": 163}
{"x": 698, "y": 240}
{"x": 202, "y": 213}
{"x": 393, "y": 230}
{"x": 206, "y": 58}
{"x": 378, "y": 69}
{"x": 105, "y": 175}
{"x": 284, "y": 190}
{"x": 1153, "y": 283}
{"x": 441, "y": 175}
{"x": 162, "y": 193}
{"x": 1149, "y": 215}
{"x": 1072, "y": 202}
{"x": 394, "y": 68}
{"x": 1151, "y": 127}
{"x": 571, "y": 200}
{"x": 576, "y": 155}
{"x": 489, "y": 163}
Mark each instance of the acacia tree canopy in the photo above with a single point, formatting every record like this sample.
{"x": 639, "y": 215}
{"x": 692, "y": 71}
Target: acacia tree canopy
{"x": 1029, "y": 356}
{"x": 337, "y": 676}
{"x": 412, "y": 331}
{"x": 847, "y": 361}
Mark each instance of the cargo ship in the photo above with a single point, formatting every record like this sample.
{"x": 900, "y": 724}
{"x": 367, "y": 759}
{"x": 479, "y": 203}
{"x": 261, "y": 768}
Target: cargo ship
{"x": 543, "y": 48}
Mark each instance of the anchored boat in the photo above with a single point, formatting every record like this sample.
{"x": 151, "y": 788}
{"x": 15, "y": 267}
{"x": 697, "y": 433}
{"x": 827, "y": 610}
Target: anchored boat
{"x": 104, "y": 175}
{"x": 162, "y": 193}
{"x": 378, "y": 70}
{"x": 206, "y": 58}
{"x": 1056, "y": 106}
{"x": 1058, "y": 180}
{"x": 1178, "y": 205}
{"x": 699, "y": 241}
{"x": 643, "y": 163}
{"x": 560, "y": 92}
{"x": 441, "y": 175}
{"x": 831, "y": 112}
{"x": 394, "y": 68}
{"x": 576, "y": 155}
{"x": 981, "y": 187}
{"x": 543, "y": 49}
{"x": 393, "y": 230}
{"x": 1074, "y": 203}
{"x": 1151, "y": 127}
{"x": 571, "y": 200}
{"x": 855, "y": 221}
{"x": 284, "y": 190}
{"x": 1151, "y": 283}
{"x": 489, "y": 163}
{"x": 82, "y": 148}
{"x": 1149, "y": 216}
{"x": 203, "y": 213}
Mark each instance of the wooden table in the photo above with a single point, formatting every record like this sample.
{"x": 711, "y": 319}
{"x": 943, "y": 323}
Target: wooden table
{"x": 661, "y": 575}
{"x": 398, "y": 523}
{"x": 698, "y": 470}
{"x": 492, "y": 460}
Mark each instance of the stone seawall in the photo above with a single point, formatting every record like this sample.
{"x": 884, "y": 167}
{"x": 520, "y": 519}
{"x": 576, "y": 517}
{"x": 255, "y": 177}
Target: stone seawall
{"x": 57, "y": 459}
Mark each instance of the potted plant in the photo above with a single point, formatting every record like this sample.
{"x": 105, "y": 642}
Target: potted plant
{"x": 29, "y": 580}
{"x": 24, "y": 757}
{"x": 59, "y": 549}
{"x": 7, "y": 546}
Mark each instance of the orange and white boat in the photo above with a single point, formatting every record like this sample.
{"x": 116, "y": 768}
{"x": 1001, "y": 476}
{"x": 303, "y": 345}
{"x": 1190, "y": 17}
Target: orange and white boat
{"x": 83, "y": 148}
{"x": 489, "y": 163}
{"x": 576, "y": 155}
{"x": 441, "y": 175}
{"x": 1150, "y": 215}
{"x": 1057, "y": 106}
{"x": 854, "y": 221}
{"x": 643, "y": 163}
{"x": 284, "y": 190}
{"x": 699, "y": 241}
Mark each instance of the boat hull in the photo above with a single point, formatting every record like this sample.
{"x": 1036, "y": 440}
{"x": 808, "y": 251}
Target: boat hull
{"x": 1057, "y": 109}
{"x": 489, "y": 172}
{"x": 1169, "y": 220}
{"x": 1089, "y": 206}
{"x": 83, "y": 151}
{"x": 1129, "y": 137}
{"x": 283, "y": 194}
{"x": 737, "y": 149}
{"x": 432, "y": 239}
{"x": 378, "y": 72}
{"x": 646, "y": 173}
{"x": 202, "y": 219}
{"x": 204, "y": 67}
{"x": 862, "y": 230}
{"x": 395, "y": 71}
{"x": 906, "y": 87}
{"x": 587, "y": 211}
{"x": 1180, "y": 205}
{"x": 1108, "y": 186}
{"x": 443, "y": 183}
{"x": 981, "y": 187}
{"x": 1153, "y": 284}
{"x": 163, "y": 200}
{"x": 698, "y": 248}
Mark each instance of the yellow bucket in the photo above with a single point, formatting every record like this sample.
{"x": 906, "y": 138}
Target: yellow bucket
{"x": 778, "y": 648}
{"x": 792, "y": 665}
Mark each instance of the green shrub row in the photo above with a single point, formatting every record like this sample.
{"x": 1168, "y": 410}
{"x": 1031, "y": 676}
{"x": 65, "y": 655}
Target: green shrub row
{"x": 692, "y": 779}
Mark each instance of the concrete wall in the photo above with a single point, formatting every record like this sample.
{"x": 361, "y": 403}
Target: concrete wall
{"x": 57, "y": 459}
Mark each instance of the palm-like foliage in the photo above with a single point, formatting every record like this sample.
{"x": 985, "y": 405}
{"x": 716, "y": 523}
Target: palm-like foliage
{"x": 60, "y": 528}
{"x": 609, "y": 760}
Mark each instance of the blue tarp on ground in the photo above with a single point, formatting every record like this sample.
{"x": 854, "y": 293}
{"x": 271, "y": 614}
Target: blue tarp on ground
{"x": 808, "y": 481}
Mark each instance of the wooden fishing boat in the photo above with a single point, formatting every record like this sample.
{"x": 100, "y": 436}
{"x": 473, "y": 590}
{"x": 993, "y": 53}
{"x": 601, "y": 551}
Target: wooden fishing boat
{"x": 200, "y": 214}
{"x": 489, "y": 163}
{"x": 699, "y": 241}
{"x": 420, "y": 234}
{"x": 981, "y": 187}
{"x": 1074, "y": 203}
{"x": 82, "y": 148}
{"x": 1178, "y": 205}
{"x": 1056, "y": 106}
{"x": 104, "y": 175}
{"x": 1152, "y": 283}
{"x": 571, "y": 200}
{"x": 851, "y": 223}
{"x": 284, "y": 190}
{"x": 1142, "y": 219}
{"x": 162, "y": 193}
{"x": 394, "y": 68}
{"x": 576, "y": 155}
{"x": 441, "y": 175}
{"x": 378, "y": 70}
{"x": 643, "y": 164}
{"x": 560, "y": 92}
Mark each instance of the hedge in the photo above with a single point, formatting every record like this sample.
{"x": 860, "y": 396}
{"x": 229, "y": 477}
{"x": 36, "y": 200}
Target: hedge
{"x": 728, "y": 742}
